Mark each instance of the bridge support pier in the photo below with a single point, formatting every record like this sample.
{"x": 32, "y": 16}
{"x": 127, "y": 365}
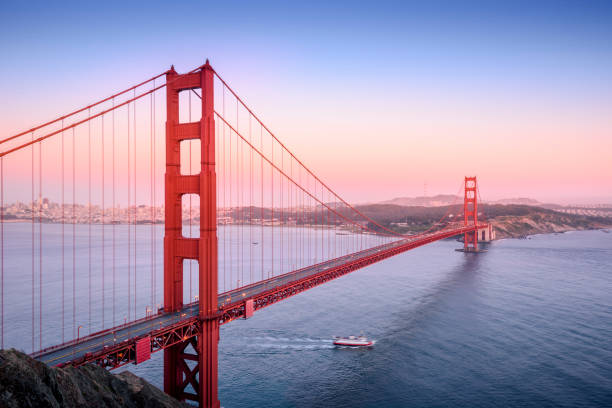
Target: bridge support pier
{"x": 191, "y": 366}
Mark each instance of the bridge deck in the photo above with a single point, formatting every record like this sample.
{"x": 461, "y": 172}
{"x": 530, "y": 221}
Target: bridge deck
{"x": 161, "y": 327}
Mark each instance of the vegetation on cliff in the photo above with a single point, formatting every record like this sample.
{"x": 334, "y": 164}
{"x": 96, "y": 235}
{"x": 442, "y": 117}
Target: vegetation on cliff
{"x": 510, "y": 221}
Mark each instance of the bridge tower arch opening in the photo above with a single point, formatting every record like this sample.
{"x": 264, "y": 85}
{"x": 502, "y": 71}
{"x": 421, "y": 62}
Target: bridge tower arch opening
{"x": 470, "y": 214}
{"x": 191, "y": 366}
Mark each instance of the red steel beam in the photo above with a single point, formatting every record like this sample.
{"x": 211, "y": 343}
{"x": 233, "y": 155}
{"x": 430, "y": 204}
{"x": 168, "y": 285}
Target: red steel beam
{"x": 125, "y": 352}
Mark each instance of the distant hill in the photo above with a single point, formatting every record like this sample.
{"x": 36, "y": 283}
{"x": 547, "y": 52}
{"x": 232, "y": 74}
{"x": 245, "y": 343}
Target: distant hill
{"x": 439, "y": 200}
{"x": 442, "y": 200}
{"x": 516, "y": 201}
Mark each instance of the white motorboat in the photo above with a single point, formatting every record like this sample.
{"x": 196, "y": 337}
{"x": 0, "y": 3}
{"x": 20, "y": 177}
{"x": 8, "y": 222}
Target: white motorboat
{"x": 353, "y": 341}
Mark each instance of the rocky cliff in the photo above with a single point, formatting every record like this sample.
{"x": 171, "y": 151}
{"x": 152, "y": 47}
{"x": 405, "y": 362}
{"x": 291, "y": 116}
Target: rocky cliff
{"x": 25, "y": 382}
{"x": 521, "y": 226}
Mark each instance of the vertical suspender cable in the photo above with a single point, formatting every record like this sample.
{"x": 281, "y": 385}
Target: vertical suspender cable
{"x": 300, "y": 203}
{"x": 135, "y": 209}
{"x": 313, "y": 221}
{"x": 231, "y": 257}
{"x": 262, "y": 200}
{"x": 331, "y": 241}
{"x": 113, "y": 215}
{"x": 308, "y": 215}
{"x": 292, "y": 205}
{"x": 237, "y": 209}
{"x": 129, "y": 219}
{"x": 102, "y": 222}
{"x": 303, "y": 227}
{"x": 290, "y": 209}
{"x": 362, "y": 237}
{"x": 32, "y": 213}
{"x": 311, "y": 234}
{"x": 224, "y": 202}
{"x": 238, "y": 243}
{"x": 2, "y": 253}
{"x": 241, "y": 157}
{"x": 296, "y": 215}
{"x": 152, "y": 301}
{"x": 300, "y": 212}
{"x": 333, "y": 229}
{"x": 300, "y": 217}
{"x": 238, "y": 203}
{"x": 282, "y": 218}
{"x": 89, "y": 209}
{"x": 40, "y": 263}
{"x": 327, "y": 225}
{"x": 63, "y": 240}
{"x": 272, "y": 204}
{"x": 315, "y": 212}
{"x": 312, "y": 215}
{"x": 319, "y": 222}
{"x": 250, "y": 205}
{"x": 74, "y": 327}
{"x": 305, "y": 222}
{"x": 154, "y": 206}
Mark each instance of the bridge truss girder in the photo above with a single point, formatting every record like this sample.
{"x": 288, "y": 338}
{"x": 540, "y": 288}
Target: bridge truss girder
{"x": 187, "y": 331}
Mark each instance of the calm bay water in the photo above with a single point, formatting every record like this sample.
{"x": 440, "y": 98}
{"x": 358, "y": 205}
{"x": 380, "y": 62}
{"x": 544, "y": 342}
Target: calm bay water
{"x": 526, "y": 324}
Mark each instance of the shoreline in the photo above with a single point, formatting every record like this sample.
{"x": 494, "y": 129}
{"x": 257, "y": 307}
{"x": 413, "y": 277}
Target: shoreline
{"x": 606, "y": 230}
{"x": 523, "y": 232}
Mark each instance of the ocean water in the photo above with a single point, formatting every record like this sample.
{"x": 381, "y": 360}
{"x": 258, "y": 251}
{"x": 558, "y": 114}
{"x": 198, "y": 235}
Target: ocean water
{"x": 526, "y": 324}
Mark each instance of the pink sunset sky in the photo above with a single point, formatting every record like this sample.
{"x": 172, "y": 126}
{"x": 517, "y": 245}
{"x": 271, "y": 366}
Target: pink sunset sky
{"x": 377, "y": 102}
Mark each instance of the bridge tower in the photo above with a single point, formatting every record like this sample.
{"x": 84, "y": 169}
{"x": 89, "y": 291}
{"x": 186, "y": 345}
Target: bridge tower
{"x": 183, "y": 368}
{"x": 470, "y": 214}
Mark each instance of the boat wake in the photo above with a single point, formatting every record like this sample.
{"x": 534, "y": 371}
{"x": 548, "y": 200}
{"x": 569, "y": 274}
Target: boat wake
{"x": 286, "y": 343}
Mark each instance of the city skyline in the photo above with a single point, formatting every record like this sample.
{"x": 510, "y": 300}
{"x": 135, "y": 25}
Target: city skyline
{"x": 44, "y": 210}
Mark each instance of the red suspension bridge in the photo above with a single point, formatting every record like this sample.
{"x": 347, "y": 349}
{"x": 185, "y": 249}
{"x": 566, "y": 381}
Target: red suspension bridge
{"x": 246, "y": 225}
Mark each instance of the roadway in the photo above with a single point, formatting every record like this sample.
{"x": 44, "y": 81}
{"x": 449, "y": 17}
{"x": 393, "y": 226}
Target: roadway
{"x": 78, "y": 348}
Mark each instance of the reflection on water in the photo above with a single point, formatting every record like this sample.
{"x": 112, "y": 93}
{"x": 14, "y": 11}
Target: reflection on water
{"x": 526, "y": 324}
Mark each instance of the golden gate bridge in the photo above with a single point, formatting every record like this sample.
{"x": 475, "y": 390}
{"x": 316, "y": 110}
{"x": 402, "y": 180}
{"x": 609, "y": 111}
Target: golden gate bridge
{"x": 246, "y": 225}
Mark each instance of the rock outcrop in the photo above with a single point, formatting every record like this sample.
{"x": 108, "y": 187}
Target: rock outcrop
{"x": 25, "y": 382}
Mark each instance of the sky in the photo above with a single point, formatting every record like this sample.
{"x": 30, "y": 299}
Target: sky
{"x": 381, "y": 99}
